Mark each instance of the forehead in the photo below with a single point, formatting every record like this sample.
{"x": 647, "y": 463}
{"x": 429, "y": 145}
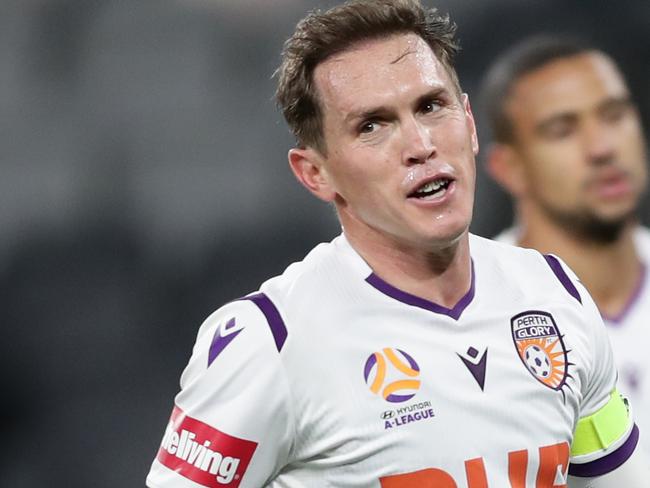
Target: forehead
{"x": 571, "y": 84}
{"x": 377, "y": 72}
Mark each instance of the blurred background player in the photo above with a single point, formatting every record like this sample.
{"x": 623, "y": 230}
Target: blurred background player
{"x": 569, "y": 148}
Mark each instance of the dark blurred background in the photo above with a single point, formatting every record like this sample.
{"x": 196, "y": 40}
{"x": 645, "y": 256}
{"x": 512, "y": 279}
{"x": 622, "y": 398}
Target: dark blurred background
{"x": 144, "y": 182}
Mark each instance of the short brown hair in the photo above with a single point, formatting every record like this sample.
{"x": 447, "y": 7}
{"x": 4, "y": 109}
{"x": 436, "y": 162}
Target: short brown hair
{"x": 322, "y": 34}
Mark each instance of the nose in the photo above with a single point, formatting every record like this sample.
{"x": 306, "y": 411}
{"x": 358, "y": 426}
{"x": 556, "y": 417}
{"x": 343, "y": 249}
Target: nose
{"x": 418, "y": 142}
{"x": 599, "y": 143}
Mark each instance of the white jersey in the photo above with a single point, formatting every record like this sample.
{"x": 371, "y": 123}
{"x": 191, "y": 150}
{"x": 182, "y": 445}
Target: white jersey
{"x": 629, "y": 334}
{"x": 330, "y": 377}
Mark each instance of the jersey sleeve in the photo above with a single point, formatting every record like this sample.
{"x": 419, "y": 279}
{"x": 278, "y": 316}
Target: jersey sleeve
{"x": 605, "y": 435}
{"x": 232, "y": 423}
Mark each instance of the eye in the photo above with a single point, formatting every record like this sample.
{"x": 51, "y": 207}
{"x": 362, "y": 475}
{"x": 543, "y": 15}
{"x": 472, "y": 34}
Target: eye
{"x": 615, "y": 111}
{"x": 430, "y": 106}
{"x": 558, "y": 127}
{"x": 368, "y": 126}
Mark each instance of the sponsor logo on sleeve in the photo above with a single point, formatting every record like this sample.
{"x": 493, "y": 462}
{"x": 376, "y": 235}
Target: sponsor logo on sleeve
{"x": 202, "y": 453}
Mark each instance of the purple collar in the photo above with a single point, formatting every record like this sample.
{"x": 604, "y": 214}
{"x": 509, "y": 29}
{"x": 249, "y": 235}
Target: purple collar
{"x": 415, "y": 301}
{"x": 617, "y": 319}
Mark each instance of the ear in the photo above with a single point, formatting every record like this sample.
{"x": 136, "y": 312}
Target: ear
{"x": 308, "y": 166}
{"x": 470, "y": 120}
{"x": 507, "y": 169}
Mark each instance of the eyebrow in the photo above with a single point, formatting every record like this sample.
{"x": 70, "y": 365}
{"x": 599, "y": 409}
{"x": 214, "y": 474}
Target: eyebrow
{"x": 372, "y": 112}
{"x": 620, "y": 101}
{"x": 571, "y": 116}
{"x": 546, "y": 123}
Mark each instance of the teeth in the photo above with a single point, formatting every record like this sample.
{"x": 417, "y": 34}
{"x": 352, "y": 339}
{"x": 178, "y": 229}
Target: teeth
{"x": 432, "y": 186}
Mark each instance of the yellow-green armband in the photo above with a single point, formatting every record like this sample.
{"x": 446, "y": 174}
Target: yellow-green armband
{"x": 604, "y": 440}
{"x": 603, "y": 428}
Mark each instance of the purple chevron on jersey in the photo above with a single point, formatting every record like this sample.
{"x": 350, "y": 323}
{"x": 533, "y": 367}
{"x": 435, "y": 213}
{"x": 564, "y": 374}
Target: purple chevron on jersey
{"x": 557, "y": 268}
{"x": 273, "y": 317}
{"x": 222, "y": 337}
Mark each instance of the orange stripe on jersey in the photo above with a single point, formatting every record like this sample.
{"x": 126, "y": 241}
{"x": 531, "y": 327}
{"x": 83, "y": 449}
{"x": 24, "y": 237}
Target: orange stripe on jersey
{"x": 397, "y": 362}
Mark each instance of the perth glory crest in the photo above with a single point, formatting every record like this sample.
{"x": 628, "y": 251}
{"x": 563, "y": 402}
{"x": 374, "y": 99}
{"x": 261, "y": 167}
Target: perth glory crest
{"x": 540, "y": 347}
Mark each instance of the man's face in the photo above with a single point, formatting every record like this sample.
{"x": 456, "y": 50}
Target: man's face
{"x": 400, "y": 143}
{"x": 580, "y": 141}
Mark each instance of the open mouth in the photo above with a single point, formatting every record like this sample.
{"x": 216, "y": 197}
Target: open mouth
{"x": 432, "y": 189}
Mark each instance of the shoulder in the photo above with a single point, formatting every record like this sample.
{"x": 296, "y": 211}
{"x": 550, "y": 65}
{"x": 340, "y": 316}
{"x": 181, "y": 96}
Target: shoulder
{"x": 507, "y": 236}
{"x": 524, "y": 269}
{"x": 324, "y": 275}
{"x": 317, "y": 262}
{"x": 241, "y": 332}
{"x": 234, "y": 401}
{"x": 259, "y": 319}
{"x": 505, "y": 255}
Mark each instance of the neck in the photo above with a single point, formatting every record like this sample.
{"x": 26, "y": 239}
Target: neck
{"x": 439, "y": 274}
{"x": 595, "y": 263}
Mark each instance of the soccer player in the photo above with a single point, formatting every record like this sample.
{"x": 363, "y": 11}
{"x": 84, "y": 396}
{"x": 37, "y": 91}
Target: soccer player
{"x": 569, "y": 148}
{"x": 406, "y": 352}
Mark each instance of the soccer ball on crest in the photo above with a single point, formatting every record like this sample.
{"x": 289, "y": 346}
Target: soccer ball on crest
{"x": 537, "y": 361}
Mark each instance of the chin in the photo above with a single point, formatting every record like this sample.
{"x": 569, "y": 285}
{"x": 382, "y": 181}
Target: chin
{"x": 445, "y": 236}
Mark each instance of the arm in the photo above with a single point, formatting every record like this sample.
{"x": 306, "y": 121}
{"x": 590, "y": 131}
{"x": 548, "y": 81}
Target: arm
{"x": 635, "y": 472}
{"x": 605, "y": 437}
{"x": 232, "y": 421}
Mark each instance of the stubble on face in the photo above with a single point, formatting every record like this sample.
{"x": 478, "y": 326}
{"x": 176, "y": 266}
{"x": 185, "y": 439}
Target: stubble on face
{"x": 586, "y": 226}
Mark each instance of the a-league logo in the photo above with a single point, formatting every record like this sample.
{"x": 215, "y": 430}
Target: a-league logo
{"x": 393, "y": 374}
